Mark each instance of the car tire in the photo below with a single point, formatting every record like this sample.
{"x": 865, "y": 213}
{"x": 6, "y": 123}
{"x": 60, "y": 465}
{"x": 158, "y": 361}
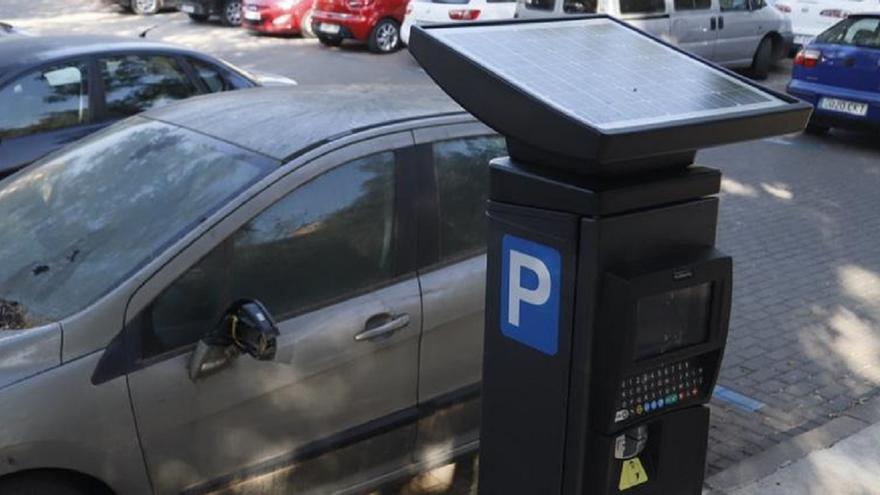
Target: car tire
{"x": 817, "y": 129}
{"x": 199, "y": 18}
{"x": 763, "y": 60}
{"x": 305, "y": 25}
{"x": 146, "y": 7}
{"x": 328, "y": 41}
{"x": 231, "y": 13}
{"x": 385, "y": 37}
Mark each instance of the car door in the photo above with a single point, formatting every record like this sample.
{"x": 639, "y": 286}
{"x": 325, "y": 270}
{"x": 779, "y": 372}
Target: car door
{"x": 453, "y": 276}
{"x": 695, "y": 27}
{"x": 740, "y": 30}
{"x": 320, "y": 250}
{"x": 132, "y": 83}
{"x": 44, "y": 110}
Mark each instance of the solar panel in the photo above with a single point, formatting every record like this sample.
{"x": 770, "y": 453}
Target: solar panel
{"x": 604, "y": 90}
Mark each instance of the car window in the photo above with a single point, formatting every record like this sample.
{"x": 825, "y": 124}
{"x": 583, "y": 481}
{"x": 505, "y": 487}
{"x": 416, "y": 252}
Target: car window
{"x": 693, "y": 4}
{"x": 135, "y": 83}
{"x": 642, "y": 6}
{"x": 734, "y": 5}
{"x": 223, "y": 77}
{"x": 579, "y": 6}
{"x": 210, "y": 75}
{"x": 461, "y": 167}
{"x": 103, "y": 207}
{"x": 328, "y": 239}
{"x": 48, "y": 99}
{"x": 540, "y": 4}
{"x": 855, "y": 31}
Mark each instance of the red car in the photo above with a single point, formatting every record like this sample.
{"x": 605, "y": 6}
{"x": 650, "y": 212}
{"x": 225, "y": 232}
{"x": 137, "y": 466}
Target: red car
{"x": 278, "y": 16}
{"x": 375, "y": 22}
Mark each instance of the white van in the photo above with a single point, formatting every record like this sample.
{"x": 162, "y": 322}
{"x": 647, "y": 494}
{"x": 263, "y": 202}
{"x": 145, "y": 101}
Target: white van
{"x": 742, "y": 34}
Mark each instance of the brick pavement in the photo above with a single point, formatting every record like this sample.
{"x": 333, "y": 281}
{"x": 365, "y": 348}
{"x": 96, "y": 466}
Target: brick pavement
{"x": 803, "y": 229}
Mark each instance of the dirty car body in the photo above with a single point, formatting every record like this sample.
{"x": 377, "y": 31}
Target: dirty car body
{"x": 361, "y": 239}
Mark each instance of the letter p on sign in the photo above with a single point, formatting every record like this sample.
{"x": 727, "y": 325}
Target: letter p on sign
{"x": 530, "y": 282}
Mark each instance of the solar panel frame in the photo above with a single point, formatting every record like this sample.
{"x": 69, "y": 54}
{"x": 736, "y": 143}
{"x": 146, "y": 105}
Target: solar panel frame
{"x": 540, "y": 131}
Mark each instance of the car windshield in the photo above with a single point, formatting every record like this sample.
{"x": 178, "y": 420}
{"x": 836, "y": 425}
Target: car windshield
{"x": 855, "y": 31}
{"x": 79, "y": 222}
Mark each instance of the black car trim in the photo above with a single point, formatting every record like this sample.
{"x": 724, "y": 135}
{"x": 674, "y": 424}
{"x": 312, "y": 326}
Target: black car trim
{"x": 406, "y": 220}
{"x": 342, "y": 439}
{"x": 193, "y": 75}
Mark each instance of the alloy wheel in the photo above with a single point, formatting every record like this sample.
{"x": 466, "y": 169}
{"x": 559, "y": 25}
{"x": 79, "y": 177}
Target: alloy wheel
{"x": 145, "y": 6}
{"x": 233, "y": 13}
{"x": 387, "y": 37}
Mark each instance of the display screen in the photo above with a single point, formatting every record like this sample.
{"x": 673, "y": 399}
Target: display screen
{"x": 672, "y": 320}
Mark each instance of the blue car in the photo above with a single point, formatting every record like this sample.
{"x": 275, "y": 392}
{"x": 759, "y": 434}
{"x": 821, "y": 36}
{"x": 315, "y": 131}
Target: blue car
{"x": 839, "y": 73}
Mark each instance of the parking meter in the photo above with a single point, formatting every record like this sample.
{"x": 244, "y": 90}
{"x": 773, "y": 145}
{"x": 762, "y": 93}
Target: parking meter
{"x": 607, "y": 303}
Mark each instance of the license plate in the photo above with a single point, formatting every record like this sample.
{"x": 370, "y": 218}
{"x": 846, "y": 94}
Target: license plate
{"x": 189, "y": 9}
{"x": 252, "y": 16}
{"x": 328, "y": 28}
{"x": 844, "y": 106}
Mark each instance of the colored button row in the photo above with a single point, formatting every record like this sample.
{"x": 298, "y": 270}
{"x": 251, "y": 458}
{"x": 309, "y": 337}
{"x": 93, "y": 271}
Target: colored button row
{"x": 662, "y": 402}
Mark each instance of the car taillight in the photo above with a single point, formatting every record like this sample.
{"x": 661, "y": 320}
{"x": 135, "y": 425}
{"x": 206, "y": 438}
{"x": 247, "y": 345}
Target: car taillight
{"x": 836, "y": 13}
{"x": 785, "y": 9}
{"x": 464, "y": 14}
{"x": 808, "y": 58}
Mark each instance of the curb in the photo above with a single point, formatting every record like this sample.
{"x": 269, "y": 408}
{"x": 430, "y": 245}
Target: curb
{"x": 768, "y": 462}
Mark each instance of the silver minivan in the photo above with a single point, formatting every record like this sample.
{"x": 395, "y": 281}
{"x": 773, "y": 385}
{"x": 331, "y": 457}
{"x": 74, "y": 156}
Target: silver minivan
{"x": 739, "y": 34}
{"x": 351, "y": 219}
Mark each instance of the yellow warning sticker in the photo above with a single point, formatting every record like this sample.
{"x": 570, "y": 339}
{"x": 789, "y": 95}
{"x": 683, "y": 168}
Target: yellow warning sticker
{"x": 632, "y": 474}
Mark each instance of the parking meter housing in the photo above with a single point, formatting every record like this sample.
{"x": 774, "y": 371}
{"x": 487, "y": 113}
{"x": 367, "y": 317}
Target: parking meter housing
{"x": 607, "y": 304}
{"x": 543, "y": 133}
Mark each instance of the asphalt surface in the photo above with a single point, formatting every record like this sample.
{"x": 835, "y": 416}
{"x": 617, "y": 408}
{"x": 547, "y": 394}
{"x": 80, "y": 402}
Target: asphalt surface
{"x": 304, "y": 60}
{"x": 799, "y": 214}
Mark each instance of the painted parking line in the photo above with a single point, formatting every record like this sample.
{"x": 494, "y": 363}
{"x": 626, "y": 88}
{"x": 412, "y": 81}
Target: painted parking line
{"x": 736, "y": 399}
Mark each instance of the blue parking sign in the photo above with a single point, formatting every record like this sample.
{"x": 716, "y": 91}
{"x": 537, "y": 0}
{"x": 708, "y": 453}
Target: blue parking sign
{"x": 530, "y": 285}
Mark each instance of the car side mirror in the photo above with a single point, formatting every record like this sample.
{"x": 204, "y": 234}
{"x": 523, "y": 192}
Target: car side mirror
{"x": 246, "y": 327}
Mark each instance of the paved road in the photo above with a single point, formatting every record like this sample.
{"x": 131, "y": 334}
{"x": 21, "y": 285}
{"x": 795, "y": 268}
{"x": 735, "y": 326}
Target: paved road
{"x": 800, "y": 216}
{"x": 304, "y": 60}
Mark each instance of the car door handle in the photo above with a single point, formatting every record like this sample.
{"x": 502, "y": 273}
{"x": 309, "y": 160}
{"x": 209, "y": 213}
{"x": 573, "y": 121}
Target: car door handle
{"x": 390, "y": 326}
{"x": 720, "y": 22}
{"x": 712, "y": 24}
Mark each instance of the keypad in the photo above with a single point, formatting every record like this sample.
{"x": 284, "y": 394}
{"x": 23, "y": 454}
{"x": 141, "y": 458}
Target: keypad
{"x": 657, "y": 389}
